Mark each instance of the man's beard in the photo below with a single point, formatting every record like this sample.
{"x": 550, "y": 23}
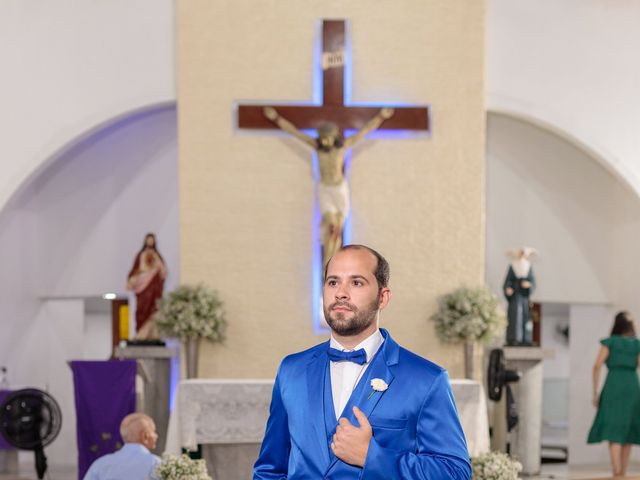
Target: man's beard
{"x": 361, "y": 320}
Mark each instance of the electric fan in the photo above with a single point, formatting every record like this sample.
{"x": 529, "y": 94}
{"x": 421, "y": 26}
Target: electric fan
{"x": 498, "y": 379}
{"x": 30, "y": 419}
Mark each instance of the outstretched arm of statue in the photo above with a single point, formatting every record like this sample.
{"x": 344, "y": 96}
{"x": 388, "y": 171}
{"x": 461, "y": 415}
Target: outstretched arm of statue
{"x": 285, "y": 125}
{"x": 370, "y": 126}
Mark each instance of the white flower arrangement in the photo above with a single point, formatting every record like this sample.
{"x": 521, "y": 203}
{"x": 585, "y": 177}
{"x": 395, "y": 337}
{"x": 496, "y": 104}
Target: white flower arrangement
{"x": 469, "y": 315}
{"x": 191, "y": 311}
{"x": 173, "y": 467}
{"x": 495, "y": 466}
{"x": 378, "y": 385}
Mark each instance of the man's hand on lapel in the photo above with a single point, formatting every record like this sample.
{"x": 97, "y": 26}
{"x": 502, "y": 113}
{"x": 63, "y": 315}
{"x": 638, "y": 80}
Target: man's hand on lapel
{"x": 350, "y": 443}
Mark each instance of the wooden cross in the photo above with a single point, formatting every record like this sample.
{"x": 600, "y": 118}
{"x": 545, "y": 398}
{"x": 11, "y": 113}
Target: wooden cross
{"x": 333, "y": 108}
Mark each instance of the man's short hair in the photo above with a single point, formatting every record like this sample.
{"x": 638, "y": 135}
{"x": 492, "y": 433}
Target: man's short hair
{"x": 381, "y": 272}
{"x": 133, "y": 426}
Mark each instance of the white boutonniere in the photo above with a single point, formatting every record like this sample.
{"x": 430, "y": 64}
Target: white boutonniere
{"x": 378, "y": 385}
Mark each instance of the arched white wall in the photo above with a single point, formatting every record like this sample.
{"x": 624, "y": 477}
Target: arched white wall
{"x": 68, "y": 65}
{"x": 545, "y": 192}
{"x": 73, "y": 232}
{"x": 570, "y": 64}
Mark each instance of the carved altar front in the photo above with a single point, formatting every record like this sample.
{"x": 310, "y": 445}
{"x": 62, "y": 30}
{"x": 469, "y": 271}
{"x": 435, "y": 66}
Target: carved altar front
{"x": 227, "y": 418}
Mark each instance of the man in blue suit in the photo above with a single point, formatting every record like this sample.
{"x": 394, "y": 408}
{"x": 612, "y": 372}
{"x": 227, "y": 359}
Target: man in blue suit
{"x": 360, "y": 406}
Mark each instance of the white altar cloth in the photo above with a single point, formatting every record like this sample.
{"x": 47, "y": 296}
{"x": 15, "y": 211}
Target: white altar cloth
{"x": 471, "y": 402}
{"x": 218, "y": 411}
{"x": 214, "y": 411}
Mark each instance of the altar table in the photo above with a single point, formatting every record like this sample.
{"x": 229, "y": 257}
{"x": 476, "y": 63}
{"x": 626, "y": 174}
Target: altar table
{"x": 227, "y": 417}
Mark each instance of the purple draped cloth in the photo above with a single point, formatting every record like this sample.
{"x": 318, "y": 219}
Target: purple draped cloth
{"x": 4, "y": 445}
{"x": 105, "y": 392}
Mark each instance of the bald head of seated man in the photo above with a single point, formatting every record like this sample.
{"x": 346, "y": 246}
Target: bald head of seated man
{"x": 133, "y": 461}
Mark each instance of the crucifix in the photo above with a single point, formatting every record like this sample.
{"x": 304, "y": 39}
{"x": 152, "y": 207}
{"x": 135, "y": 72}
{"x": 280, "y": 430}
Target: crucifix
{"x": 331, "y": 118}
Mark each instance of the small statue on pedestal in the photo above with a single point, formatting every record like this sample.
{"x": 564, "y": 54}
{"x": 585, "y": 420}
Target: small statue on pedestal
{"x": 146, "y": 280}
{"x": 518, "y": 286}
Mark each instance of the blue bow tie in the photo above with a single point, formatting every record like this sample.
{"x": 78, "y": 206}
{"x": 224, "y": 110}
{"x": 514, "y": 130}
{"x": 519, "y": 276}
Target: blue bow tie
{"x": 359, "y": 356}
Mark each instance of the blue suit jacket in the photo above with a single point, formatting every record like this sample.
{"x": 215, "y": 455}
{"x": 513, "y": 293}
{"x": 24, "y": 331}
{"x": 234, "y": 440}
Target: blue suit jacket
{"x": 416, "y": 431}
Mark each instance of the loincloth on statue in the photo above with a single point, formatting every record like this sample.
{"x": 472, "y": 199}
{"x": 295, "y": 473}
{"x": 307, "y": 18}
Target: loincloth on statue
{"x": 334, "y": 199}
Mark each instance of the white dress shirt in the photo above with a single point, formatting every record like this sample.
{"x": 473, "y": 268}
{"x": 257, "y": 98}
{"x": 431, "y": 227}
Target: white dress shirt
{"x": 345, "y": 375}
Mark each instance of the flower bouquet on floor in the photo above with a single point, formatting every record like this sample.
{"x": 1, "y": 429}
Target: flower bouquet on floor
{"x": 174, "y": 467}
{"x": 495, "y": 466}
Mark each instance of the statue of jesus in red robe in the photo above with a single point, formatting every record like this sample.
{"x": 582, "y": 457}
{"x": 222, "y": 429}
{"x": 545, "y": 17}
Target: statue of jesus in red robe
{"x": 146, "y": 280}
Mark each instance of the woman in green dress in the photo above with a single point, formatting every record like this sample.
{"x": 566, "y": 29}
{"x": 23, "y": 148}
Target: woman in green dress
{"x": 618, "y": 418}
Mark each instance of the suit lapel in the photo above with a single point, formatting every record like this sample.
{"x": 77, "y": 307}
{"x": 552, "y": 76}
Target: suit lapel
{"x": 316, "y": 372}
{"x": 361, "y": 397}
{"x": 366, "y": 398}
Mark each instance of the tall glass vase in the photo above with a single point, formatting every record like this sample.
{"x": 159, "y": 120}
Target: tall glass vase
{"x": 468, "y": 359}
{"x": 191, "y": 354}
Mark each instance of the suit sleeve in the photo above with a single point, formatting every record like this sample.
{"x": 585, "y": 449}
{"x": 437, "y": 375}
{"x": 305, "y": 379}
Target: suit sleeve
{"x": 441, "y": 450}
{"x": 273, "y": 461}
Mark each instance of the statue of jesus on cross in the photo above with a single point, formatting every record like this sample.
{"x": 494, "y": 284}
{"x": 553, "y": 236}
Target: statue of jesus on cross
{"x": 332, "y": 190}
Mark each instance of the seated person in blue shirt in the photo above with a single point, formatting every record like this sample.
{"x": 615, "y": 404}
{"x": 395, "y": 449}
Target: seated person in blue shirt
{"x": 133, "y": 461}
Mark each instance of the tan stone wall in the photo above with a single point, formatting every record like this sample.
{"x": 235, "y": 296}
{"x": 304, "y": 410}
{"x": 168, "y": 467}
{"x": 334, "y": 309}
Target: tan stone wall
{"x": 246, "y": 199}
